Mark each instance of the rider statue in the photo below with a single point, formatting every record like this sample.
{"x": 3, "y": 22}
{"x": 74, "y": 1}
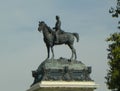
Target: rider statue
{"x": 57, "y": 29}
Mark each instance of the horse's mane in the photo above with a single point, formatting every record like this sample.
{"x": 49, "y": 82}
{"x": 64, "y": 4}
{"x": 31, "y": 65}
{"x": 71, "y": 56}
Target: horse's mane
{"x": 49, "y": 29}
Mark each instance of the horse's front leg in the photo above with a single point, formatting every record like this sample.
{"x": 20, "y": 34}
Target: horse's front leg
{"x": 48, "y": 51}
{"x": 52, "y": 52}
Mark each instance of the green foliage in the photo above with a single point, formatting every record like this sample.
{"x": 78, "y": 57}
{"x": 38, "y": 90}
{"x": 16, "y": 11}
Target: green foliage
{"x": 116, "y": 11}
{"x": 113, "y": 75}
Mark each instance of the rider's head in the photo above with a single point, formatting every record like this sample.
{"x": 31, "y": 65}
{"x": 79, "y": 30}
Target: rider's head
{"x": 57, "y": 17}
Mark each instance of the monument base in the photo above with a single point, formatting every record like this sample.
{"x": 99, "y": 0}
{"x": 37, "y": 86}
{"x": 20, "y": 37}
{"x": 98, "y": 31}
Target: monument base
{"x": 61, "y": 69}
{"x": 64, "y": 86}
{"x": 62, "y": 75}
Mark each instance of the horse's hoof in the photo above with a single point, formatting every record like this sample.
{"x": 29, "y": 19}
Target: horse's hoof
{"x": 46, "y": 59}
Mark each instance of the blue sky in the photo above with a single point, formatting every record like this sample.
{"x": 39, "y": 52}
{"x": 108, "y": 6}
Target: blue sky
{"x": 22, "y": 47}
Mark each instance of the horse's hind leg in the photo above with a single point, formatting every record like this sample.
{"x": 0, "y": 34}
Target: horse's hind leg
{"x": 52, "y": 52}
{"x": 75, "y": 54}
{"x": 48, "y": 51}
{"x": 72, "y": 49}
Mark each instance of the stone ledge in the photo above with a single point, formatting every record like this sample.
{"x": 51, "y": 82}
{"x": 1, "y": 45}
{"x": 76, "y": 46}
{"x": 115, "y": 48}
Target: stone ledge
{"x": 64, "y": 84}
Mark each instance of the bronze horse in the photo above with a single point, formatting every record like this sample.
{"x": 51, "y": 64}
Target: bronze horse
{"x": 64, "y": 38}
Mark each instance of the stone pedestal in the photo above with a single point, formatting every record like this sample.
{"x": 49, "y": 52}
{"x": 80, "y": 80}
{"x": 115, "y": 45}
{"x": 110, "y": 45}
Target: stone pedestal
{"x": 62, "y": 75}
{"x": 64, "y": 86}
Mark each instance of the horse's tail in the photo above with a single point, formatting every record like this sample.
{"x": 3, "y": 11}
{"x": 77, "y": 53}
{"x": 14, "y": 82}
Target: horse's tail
{"x": 77, "y": 36}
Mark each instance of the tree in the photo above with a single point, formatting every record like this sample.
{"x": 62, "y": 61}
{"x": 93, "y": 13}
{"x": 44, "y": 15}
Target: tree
{"x": 113, "y": 75}
{"x": 116, "y": 11}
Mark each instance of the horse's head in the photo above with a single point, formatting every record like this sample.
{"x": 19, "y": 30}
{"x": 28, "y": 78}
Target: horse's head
{"x": 41, "y": 26}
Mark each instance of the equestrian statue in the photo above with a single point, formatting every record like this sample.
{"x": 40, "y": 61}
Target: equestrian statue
{"x": 57, "y": 37}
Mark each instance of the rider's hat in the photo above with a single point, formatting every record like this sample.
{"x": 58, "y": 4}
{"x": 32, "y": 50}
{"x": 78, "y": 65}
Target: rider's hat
{"x": 57, "y": 17}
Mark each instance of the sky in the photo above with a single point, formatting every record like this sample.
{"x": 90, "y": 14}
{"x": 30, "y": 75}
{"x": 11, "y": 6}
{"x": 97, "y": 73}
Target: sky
{"x": 22, "y": 48}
